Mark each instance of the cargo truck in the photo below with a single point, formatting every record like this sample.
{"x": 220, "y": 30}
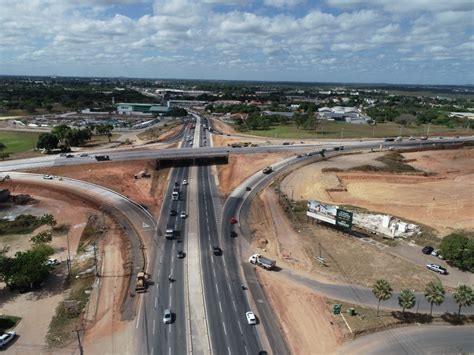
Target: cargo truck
{"x": 175, "y": 194}
{"x": 141, "y": 282}
{"x": 262, "y": 261}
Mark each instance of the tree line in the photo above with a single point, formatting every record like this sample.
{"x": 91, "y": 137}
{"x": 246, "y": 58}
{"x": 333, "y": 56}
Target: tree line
{"x": 434, "y": 293}
{"x": 64, "y": 137}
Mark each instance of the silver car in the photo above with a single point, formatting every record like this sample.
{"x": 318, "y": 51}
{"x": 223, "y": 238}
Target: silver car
{"x": 167, "y": 316}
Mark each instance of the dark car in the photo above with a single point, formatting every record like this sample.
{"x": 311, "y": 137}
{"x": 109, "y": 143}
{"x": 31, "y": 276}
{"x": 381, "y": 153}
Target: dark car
{"x": 181, "y": 254}
{"x": 248, "y": 188}
{"x": 176, "y": 183}
{"x": 173, "y": 213}
{"x": 217, "y": 250}
{"x": 427, "y": 250}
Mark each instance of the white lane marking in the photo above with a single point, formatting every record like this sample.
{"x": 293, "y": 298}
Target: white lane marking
{"x": 153, "y": 331}
{"x": 235, "y": 307}
{"x": 225, "y": 331}
{"x": 240, "y": 327}
{"x": 214, "y": 272}
{"x": 228, "y": 349}
{"x": 169, "y": 300}
{"x": 139, "y": 312}
{"x": 246, "y": 350}
{"x": 156, "y": 300}
{"x": 217, "y": 288}
{"x": 212, "y": 261}
{"x": 220, "y": 306}
{"x": 169, "y": 348}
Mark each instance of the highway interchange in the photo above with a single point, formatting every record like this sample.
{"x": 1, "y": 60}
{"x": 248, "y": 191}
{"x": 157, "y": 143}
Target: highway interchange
{"x": 224, "y": 301}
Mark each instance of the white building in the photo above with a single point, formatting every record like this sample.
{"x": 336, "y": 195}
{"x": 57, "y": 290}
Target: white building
{"x": 339, "y": 113}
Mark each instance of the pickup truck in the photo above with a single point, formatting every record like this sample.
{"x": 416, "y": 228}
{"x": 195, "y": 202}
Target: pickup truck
{"x": 267, "y": 170}
{"x": 262, "y": 261}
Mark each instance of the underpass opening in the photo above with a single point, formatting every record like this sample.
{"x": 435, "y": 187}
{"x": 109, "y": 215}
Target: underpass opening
{"x": 163, "y": 163}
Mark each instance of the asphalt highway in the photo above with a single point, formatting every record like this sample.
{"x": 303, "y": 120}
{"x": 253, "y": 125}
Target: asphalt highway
{"x": 143, "y": 153}
{"x": 428, "y": 339}
{"x": 226, "y": 302}
{"x": 160, "y": 338}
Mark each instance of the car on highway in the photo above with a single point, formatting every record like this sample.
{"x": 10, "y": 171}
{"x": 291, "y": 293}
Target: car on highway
{"x": 6, "y": 337}
{"x": 83, "y": 155}
{"x": 167, "y": 316}
{"x": 411, "y": 138}
{"x": 181, "y": 254}
{"x": 53, "y": 262}
{"x": 185, "y": 182}
{"x": 233, "y": 220}
{"x": 173, "y": 213}
{"x": 69, "y": 156}
{"x": 48, "y": 177}
{"x": 248, "y": 188}
{"x": 216, "y": 250}
{"x": 251, "y": 319}
{"x": 437, "y": 268}
{"x": 176, "y": 183}
{"x": 427, "y": 250}
{"x": 183, "y": 214}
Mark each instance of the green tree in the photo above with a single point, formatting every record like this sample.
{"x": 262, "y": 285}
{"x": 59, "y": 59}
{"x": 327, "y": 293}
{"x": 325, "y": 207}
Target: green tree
{"x": 3, "y": 155}
{"x": 434, "y": 294}
{"x": 60, "y": 131}
{"x": 382, "y": 291}
{"x": 47, "y": 141}
{"x": 458, "y": 250}
{"x": 48, "y": 219}
{"x": 406, "y": 300}
{"x": 28, "y": 268}
{"x": 463, "y": 296}
{"x": 42, "y": 238}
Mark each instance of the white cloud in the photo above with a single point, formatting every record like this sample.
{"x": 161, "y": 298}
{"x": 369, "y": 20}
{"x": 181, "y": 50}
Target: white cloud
{"x": 283, "y": 3}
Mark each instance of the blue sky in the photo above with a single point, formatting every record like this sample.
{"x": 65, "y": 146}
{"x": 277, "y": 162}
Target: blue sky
{"x": 403, "y": 41}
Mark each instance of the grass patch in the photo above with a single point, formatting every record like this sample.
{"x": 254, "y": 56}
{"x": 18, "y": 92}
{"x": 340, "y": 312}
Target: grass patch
{"x": 18, "y": 142}
{"x": 23, "y": 224}
{"x": 155, "y": 132}
{"x": 328, "y": 129}
{"x": 8, "y": 322}
{"x": 366, "y": 320}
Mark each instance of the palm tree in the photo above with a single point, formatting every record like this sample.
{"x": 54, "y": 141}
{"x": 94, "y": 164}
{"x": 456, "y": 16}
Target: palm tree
{"x": 463, "y": 296}
{"x": 48, "y": 219}
{"x": 406, "y": 300}
{"x": 382, "y": 291}
{"x": 434, "y": 294}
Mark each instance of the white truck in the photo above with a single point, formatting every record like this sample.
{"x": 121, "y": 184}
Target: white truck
{"x": 262, "y": 261}
{"x": 175, "y": 194}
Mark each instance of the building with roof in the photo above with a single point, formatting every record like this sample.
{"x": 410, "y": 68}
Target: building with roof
{"x": 141, "y": 109}
{"x": 339, "y": 113}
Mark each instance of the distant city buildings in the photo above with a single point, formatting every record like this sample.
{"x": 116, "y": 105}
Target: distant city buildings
{"x": 339, "y": 113}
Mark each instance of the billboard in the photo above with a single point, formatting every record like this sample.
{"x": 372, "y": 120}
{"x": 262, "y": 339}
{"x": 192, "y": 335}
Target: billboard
{"x": 330, "y": 214}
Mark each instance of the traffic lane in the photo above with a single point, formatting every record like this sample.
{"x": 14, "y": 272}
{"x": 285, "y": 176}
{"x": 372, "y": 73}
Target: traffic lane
{"x": 263, "y": 311}
{"x": 425, "y": 339}
{"x": 214, "y": 307}
{"x": 231, "y": 292}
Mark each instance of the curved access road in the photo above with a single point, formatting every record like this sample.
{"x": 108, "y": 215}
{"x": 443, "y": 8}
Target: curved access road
{"x": 238, "y": 204}
{"x": 133, "y": 218}
{"x": 427, "y": 339}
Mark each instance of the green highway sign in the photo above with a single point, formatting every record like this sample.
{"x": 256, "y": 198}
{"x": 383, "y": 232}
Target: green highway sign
{"x": 344, "y": 219}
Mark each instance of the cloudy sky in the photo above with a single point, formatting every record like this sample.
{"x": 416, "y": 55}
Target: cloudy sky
{"x": 391, "y": 41}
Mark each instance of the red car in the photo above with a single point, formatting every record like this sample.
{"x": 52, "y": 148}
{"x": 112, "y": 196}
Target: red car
{"x": 233, "y": 220}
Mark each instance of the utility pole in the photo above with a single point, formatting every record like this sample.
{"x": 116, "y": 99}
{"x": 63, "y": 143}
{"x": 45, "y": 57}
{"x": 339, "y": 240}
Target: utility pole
{"x": 428, "y": 130}
{"x": 373, "y": 131}
{"x": 468, "y": 126}
{"x": 400, "y": 131}
{"x": 68, "y": 256}
{"x": 320, "y": 250}
{"x": 342, "y": 133}
{"x": 95, "y": 260}
{"x": 81, "y": 350}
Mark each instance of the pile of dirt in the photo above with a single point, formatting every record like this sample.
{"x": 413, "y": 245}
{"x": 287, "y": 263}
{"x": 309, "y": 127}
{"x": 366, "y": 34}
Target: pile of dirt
{"x": 303, "y": 315}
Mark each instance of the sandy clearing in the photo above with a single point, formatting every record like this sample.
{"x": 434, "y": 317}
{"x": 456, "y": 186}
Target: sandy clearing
{"x": 241, "y": 167}
{"x": 222, "y": 126}
{"x": 37, "y": 308}
{"x": 119, "y": 176}
{"x": 444, "y": 201}
{"x": 303, "y": 315}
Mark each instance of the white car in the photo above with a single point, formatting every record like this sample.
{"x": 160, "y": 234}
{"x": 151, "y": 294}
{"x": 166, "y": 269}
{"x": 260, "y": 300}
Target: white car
{"x": 185, "y": 182}
{"x": 167, "y": 316}
{"x": 48, "y": 177}
{"x": 6, "y": 337}
{"x": 251, "y": 319}
{"x": 183, "y": 214}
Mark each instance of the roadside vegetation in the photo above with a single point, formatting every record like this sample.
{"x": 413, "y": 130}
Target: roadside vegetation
{"x": 458, "y": 250}
{"x": 12, "y": 142}
{"x": 8, "y": 322}
{"x": 24, "y": 224}
{"x": 154, "y": 133}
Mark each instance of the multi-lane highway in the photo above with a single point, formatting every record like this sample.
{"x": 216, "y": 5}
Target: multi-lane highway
{"x": 160, "y": 338}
